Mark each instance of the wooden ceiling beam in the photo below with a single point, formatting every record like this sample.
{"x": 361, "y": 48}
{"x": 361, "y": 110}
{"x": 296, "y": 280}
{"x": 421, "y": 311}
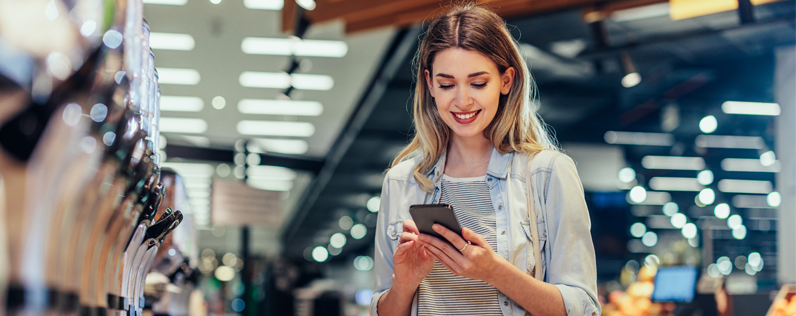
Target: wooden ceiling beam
{"x": 361, "y": 15}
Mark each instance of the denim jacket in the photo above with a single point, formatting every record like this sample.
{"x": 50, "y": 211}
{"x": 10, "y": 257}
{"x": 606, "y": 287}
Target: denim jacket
{"x": 567, "y": 250}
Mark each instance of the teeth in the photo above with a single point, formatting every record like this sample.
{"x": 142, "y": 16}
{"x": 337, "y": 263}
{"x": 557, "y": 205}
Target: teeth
{"x": 465, "y": 116}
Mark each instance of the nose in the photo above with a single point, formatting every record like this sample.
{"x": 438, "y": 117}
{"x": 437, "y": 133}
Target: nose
{"x": 463, "y": 100}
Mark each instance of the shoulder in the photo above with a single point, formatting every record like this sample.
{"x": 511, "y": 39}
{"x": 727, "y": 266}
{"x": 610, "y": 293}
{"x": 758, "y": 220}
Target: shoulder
{"x": 545, "y": 161}
{"x": 403, "y": 171}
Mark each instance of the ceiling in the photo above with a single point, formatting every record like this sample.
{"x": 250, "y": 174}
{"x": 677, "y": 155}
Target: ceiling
{"x": 694, "y": 64}
{"x": 218, "y": 30}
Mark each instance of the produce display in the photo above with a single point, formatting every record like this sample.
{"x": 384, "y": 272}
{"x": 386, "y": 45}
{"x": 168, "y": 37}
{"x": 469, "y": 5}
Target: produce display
{"x": 636, "y": 300}
{"x": 785, "y": 303}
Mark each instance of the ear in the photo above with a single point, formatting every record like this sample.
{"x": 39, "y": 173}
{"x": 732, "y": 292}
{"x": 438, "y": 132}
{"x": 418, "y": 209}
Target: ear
{"x": 507, "y": 79}
{"x": 429, "y": 83}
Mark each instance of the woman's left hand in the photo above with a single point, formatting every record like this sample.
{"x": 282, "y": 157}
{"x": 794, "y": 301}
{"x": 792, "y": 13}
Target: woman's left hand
{"x": 477, "y": 261}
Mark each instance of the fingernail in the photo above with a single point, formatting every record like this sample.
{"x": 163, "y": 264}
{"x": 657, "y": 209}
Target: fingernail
{"x": 435, "y": 227}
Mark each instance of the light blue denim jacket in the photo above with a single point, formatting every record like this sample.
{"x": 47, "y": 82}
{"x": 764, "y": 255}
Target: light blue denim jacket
{"x": 567, "y": 250}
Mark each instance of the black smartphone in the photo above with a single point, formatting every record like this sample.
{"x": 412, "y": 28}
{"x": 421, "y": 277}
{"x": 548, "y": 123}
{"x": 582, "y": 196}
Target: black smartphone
{"x": 426, "y": 215}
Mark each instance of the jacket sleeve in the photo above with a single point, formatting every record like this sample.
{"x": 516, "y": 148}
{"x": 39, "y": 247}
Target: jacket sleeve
{"x": 382, "y": 257}
{"x": 571, "y": 265}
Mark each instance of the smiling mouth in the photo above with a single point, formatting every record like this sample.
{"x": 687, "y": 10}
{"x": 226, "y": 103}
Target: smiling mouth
{"x": 465, "y": 118}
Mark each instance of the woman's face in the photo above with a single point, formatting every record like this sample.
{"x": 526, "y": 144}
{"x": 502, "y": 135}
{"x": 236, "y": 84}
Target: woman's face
{"x": 466, "y": 86}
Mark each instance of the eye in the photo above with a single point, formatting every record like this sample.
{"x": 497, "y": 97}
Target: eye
{"x": 445, "y": 87}
{"x": 479, "y": 85}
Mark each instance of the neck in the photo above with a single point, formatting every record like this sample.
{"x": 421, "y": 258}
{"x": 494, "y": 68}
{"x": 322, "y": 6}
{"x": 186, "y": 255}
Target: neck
{"x": 469, "y": 151}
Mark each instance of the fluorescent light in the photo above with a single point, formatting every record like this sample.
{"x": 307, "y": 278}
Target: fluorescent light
{"x": 178, "y": 76}
{"x": 282, "y": 146}
{"x": 673, "y": 163}
{"x": 641, "y": 13}
{"x": 751, "y": 108}
{"x": 276, "y": 80}
{"x": 281, "y": 80}
{"x": 166, "y": 2}
{"x": 270, "y": 173}
{"x": 275, "y": 5}
{"x": 293, "y": 46}
{"x": 199, "y": 141}
{"x": 652, "y": 198}
{"x": 633, "y": 138}
{"x": 675, "y": 184}
{"x": 740, "y": 142}
{"x": 270, "y": 185}
{"x": 181, "y": 104}
{"x": 745, "y": 186}
{"x": 749, "y": 165}
{"x": 312, "y": 82}
{"x": 280, "y": 107}
{"x": 182, "y": 125}
{"x": 171, "y": 41}
{"x": 186, "y": 169}
{"x": 750, "y": 201}
{"x": 276, "y": 128}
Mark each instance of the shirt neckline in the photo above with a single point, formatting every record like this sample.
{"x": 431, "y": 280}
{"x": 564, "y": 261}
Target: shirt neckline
{"x": 470, "y": 179}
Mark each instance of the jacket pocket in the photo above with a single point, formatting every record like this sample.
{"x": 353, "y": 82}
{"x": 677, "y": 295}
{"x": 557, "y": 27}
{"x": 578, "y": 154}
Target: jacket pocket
{"x": 530, "y": 258}
{"x": 395, "y": 229}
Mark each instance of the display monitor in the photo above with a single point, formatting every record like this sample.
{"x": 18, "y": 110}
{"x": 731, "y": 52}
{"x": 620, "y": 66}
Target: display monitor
{"x": 675, "y": 284}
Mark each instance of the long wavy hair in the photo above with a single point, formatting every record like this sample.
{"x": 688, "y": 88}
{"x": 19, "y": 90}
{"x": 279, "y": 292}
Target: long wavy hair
{"x": 516, "y": 126}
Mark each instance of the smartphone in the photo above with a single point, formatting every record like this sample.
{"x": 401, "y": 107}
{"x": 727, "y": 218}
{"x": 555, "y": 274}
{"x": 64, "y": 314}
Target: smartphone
{"x": 426, "y": 215}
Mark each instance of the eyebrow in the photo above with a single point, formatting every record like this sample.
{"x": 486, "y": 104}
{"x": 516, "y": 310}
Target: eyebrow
{"x": 475, "y": 74}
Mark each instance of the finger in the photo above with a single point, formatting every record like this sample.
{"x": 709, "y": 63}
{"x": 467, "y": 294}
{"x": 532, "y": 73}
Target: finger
{"x": 409, "y": 226}
{"x": 407, "y": 237}
{"x": 474, "y": 238}
{"x": 451, "y": 236}
{"x": 443, "y": 258}
{"x": 442, "y": 246}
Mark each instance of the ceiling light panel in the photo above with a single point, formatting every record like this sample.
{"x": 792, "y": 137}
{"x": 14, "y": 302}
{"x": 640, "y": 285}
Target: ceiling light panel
{"x": 281, "y": 80}
{"x": 270, "y": 172}
{"x": 275, "y": 128}
{"x": 166, "y": 2}
{"x": 181, "y": 104}
{"x": 275, "y": 80}
{"x": 293, "y": 46}
{"x": 270, "y": 185}
{"x": 673, "y": 163}
{"x": 634, "y": 138}
{"x": 751, "y": 108}
{"x": 182, "y": 125}
{"x": 745, "y": 186}
{"x": 171, "y": 41}
{"x": 282, "y": 146}
{"x": 264, "y": 4}
{"x": 178, "y": 76}
{"x": 312, "y": 82}
{"x": 280, "y": 107}
{"x": 675, "y": 184}
{"x": 641, "y": 13}
{"x": 186, "y": 169}
{"x": 740, "y": 142}
{"x": 748, "y": 165}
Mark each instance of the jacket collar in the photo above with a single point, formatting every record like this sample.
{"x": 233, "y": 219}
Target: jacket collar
{"x": 499, "y": 165}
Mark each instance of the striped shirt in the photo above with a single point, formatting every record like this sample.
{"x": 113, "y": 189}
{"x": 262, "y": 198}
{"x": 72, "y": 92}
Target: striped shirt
{"x": 442, "y": 292}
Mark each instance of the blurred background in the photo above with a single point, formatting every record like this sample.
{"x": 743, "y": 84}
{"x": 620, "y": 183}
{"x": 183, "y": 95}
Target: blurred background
{"x": 282, "y": 116}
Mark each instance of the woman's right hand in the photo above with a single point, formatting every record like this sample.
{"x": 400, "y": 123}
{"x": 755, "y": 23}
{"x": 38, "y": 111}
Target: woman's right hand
{"x": 411, "y": 262}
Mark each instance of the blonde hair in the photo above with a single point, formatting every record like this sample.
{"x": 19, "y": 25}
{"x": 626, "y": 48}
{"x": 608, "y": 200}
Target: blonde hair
{"x": 516, "y": 126}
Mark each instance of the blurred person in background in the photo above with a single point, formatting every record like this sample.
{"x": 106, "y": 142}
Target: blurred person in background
{"x": 476, "y": 132}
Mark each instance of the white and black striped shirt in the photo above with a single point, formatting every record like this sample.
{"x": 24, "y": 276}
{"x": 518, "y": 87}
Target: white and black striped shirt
{"x": 442, "y": 292}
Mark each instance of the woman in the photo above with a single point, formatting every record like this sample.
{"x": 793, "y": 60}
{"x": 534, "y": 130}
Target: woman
{"x": 475, "y": 132}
